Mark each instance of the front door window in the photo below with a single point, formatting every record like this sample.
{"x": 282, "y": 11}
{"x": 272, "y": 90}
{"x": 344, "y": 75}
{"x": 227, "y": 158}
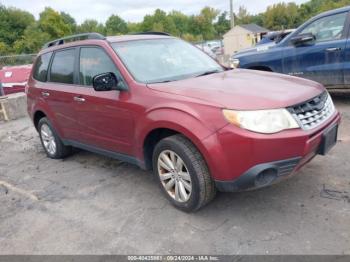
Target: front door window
{"x": 327, "y": 28}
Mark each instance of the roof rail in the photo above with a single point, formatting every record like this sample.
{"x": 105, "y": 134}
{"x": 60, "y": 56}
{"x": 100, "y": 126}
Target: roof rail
{"x": 73, "y": 38}
{"x": 152, "y": 33}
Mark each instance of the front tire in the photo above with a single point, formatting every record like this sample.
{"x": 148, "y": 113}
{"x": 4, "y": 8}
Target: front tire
{"x": 182, "y": 173}
{"x": 51, "y": 142}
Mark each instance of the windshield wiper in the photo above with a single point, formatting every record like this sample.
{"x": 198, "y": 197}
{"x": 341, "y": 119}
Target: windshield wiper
{"x": 187, "y": 76}
{"x": 208, "y": 73}
{"x": 159, "y": 82}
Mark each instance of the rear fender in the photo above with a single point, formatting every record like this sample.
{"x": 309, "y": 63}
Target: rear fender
{"x": 40, "y": 105}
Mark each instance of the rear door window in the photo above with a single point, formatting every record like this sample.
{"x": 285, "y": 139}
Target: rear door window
{"x": 62, "y": 67}
{"x": 41, "y": 67}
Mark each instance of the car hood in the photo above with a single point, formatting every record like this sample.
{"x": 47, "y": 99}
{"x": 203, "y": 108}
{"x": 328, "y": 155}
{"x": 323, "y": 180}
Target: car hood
{"x": 255, "y": 49}
{"x": 244, "y": 89}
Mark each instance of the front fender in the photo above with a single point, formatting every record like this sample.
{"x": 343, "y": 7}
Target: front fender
{"x": 271, "y": 59}
{"x": 178, "y": 120}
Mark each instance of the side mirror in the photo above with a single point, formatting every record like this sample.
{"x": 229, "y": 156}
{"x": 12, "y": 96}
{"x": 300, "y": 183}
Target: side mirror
{"x": 303, "y": 39}
{"x": 105, "y": 82}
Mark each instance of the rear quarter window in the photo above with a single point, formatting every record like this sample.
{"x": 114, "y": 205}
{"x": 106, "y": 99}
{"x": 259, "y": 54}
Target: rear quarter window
{"x": 41, "y": 67}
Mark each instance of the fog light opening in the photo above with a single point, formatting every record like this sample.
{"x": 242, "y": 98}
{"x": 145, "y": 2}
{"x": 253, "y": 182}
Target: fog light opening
{"x": 266, "y": 177}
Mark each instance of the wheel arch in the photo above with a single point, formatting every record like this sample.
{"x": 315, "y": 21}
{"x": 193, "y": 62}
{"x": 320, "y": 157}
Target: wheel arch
{"x": 39, "y": 114}
{"x": 151, "y": 140}
{"x": 157, "y": 133}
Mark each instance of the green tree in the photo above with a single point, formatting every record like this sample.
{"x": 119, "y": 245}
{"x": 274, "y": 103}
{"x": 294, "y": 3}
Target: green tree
{"x": 223, "y": 24}
{"x": 20, "y": 33}
{"x": 52, "y": 23}
{"x": 159, "y": 21}
{"x": 181, "y": 22}
{"x": 313, "y": 7}
{"x": 282, "y": 16}
{"x": 32, "y": 40}
{"x": 203, "y": 24}
{"x": 134, "y": 27}
{"x": 4, "y": 49}
{"x": 258, "y": 19}
{"x": 192, "y": 38}
{"x": 116, "y": 25}
{"x": 91, "y": 25}
{"x": 242, "y": 17}
{"x": 13, "y": 22}
{"x": 70, "y": 21}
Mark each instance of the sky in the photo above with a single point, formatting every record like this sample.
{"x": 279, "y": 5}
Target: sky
{"x": 133, "y": 10}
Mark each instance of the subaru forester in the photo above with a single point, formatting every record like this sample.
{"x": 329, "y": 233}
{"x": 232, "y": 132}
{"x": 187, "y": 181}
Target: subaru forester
{"x": 164, "y": 105}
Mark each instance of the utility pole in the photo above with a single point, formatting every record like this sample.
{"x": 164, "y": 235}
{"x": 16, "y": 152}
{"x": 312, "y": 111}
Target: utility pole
{"x": 231, "y": 14}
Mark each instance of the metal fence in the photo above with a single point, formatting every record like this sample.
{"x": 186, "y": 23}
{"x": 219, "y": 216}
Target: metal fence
{"x": 12, "y": 60}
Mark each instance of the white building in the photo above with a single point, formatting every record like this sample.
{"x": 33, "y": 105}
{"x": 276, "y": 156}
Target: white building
{"x": 242, "y": 36}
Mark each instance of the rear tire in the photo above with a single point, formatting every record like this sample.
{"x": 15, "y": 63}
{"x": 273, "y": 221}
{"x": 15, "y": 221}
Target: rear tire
{"x": 195, "y": 187}
{"x": 51, "y": 142}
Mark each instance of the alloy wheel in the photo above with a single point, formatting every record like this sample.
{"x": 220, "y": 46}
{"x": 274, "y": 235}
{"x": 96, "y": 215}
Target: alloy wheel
{"x": 48, "y": 139}
{"x": 174, "y": 176}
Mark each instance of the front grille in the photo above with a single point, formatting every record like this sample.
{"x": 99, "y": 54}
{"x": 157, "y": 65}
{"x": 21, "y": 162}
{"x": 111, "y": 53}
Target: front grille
{"x": 314, "y": 112}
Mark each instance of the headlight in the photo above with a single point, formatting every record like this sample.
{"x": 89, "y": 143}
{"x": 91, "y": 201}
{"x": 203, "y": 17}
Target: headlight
{"x": 234, "y": 63}
{"x": 262, "y": 121}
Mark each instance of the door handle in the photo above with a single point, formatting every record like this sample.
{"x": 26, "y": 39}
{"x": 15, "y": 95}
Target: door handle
{"x": 79, "y": 99}
{"x": 333, "y": 49}
{"x": 45, "y": 94}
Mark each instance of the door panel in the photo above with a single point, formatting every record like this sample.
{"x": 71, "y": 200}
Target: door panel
{"x": 60, "y": 92}
{"x": 104, "y": 117}
{"x": 61, "y": 102}
{"x": 105, "y": 120}
{"x": 322, "y": 61}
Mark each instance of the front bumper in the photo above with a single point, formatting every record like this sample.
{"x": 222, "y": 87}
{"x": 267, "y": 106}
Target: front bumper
{"x": 259, "y": 176}
{"x": 241, "y": 160}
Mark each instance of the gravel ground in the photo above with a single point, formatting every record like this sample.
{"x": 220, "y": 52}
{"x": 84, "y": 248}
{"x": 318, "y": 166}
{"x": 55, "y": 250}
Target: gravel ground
{"x": 89, "y": 204}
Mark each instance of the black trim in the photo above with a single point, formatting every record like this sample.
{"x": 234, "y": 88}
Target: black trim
{"x": 252, "y": 179}
{"x": 111, "y": 154}
{"x": 77, "y": 66}
{"x": 73, "y": 38}
{"x": 329, "y": 139}
{"x": 347, "y": 26}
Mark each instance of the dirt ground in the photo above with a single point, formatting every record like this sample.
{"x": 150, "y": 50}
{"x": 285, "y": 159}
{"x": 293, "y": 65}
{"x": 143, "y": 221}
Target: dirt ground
{"x": 89, "y": 204}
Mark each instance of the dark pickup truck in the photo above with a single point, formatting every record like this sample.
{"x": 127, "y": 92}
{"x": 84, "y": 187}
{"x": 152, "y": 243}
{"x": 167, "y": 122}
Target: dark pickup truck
{"x": 318, "y": 50}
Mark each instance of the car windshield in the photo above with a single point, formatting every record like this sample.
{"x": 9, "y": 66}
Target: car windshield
{"x": 164, "y": 60}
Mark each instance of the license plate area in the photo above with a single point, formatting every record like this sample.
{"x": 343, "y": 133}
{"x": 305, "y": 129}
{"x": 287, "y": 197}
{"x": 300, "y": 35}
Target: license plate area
{"x": 329, "y": 139}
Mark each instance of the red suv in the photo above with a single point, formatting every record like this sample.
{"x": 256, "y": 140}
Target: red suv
{"x": 162, "y": 104}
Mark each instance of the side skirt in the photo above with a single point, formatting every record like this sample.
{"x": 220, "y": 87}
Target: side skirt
{"x": 119, "y": 156}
